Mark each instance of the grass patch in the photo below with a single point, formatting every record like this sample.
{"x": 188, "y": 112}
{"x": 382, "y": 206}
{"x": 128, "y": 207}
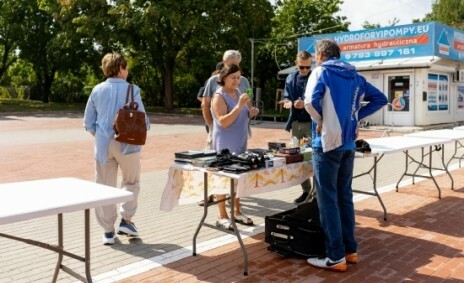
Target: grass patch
{"x": 29, "y": 106}
{"x": 8, "y": 105}
{"x": 183, "y": 111}
{"x": 15, "y": 105}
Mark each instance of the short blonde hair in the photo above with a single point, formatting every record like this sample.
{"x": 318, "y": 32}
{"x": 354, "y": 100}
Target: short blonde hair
{"x": 111, "y": 63}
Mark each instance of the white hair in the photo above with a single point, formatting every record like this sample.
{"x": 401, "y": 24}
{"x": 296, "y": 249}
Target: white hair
{"x": 232, "y": 54}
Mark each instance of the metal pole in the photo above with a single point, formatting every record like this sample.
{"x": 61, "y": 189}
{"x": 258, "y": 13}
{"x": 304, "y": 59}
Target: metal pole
{"x": 252, "y": 40}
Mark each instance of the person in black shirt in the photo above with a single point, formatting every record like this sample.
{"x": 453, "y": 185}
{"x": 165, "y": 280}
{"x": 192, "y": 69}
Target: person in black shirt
{"x": 299, "y": 121}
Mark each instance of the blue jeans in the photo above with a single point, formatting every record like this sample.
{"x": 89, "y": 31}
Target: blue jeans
{"x": 333, "y": 172}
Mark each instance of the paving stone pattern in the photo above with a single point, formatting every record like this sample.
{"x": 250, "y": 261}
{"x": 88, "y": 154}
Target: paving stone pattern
{"x": 422, "y": 240}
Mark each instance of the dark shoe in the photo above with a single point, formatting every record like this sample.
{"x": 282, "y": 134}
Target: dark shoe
{"x": 210, "y": 199}
{"x": 128, "y": 229}
{"x": 108, "y": 238}
{"x": 301, "y": 199}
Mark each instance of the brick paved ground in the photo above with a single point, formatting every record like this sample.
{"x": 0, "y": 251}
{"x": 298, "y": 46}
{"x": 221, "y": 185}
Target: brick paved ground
{"x": 422, "y": 241}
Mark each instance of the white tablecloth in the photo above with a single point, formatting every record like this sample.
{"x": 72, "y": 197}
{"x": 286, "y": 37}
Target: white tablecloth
{"x": 186, "y": 182}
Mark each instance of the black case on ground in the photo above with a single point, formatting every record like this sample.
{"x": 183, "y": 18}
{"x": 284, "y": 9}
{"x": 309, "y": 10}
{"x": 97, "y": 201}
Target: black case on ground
{"x": 296, "y": 232}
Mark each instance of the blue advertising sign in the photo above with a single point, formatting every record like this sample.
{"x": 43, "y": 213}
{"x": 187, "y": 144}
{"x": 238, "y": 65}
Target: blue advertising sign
{"x": 414, "y": 40}
{"x": 449, "y": 42}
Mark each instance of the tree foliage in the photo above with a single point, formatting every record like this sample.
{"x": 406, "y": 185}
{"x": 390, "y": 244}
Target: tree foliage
{"x": 391, "y": 23}
{"x": 368, "y": 25}
{"x": 10, "y": 32}
{"x": 308, "y": 17}
{"x": 164, "y": 36}
{"x": 449, "y": 12}
{"x": 49, "y": 43}
{"x": 172, "y": 45}
{"x": 294, "y": 19}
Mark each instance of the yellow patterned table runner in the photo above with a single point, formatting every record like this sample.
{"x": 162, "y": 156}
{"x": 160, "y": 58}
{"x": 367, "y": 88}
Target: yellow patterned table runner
{"x": 186, "y": 183}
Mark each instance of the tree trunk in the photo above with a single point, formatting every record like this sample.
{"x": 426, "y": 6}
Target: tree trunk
{"x": 168, "y": 87}
{"x": 47, "y": 87}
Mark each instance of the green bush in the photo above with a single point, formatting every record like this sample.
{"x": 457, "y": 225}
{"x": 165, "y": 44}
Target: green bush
{"x": 22, "y": 92}
{"x": 67, "y": 87}
{"x": 185, "y": 92}
{"x": 4, "y": 93}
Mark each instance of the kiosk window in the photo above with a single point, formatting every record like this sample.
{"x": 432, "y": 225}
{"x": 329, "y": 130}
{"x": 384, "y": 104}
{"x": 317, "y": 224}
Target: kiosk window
{"x": 438, "y": 92}
{"x": 460, "y": 98}
{"x": 398, "y": 93}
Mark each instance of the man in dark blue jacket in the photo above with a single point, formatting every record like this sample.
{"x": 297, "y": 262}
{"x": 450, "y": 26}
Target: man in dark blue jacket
{"x": 299, "y": 121}
{"x": 333, "y": 98}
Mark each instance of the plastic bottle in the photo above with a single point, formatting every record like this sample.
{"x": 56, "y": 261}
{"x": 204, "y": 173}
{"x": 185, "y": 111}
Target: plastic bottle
{"x": 249, "y": 91}
{"x": 295, "y": 142}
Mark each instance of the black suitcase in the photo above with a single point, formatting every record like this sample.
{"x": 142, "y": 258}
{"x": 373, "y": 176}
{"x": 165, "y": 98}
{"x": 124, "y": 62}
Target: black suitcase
{"x": 296, "y": 232}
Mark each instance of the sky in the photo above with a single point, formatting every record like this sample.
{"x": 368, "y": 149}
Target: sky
{"x": 384, "y": 11}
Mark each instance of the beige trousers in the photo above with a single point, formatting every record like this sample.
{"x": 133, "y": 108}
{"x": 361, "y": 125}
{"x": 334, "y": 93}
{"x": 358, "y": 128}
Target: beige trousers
{"x": 107, "y": 174}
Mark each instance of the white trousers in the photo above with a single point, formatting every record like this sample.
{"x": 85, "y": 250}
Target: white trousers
{"x": 107, "y": 174}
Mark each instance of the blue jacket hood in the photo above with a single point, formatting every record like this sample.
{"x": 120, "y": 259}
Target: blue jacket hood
{"x": 340, "y": 68}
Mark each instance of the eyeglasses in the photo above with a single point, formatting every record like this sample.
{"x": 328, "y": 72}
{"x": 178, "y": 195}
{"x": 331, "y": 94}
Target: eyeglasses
{"x": 304, "y": 67}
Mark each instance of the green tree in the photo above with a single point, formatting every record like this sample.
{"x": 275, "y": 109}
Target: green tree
{"x": 11, "y": 15}
{"x": 151, "y": 32}
{"x": 449, "y": 12}
{"x": 164, "y": 40}
{"x": 307, "y": 17}
{"x": 20, "y": 73}
{"x": 50, "y": 44}
{"x": 368, "y": 25}
{"x": 166, "y": 29}
{"x": 293, "y": 19}
{"x": 232, "y": 30}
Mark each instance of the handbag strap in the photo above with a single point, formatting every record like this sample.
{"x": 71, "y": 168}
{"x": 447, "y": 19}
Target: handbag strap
{"x": 131, "y": 104}
{"x": 130, "y": 90}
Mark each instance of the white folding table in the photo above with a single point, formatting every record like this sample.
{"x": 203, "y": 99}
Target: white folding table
{"x": 455, "y": 135}
{"x": 372, "y": 172}
{"x": 188, "y": 183}
{"x": 403, "y": 144}
{"x": 22, "y": 201}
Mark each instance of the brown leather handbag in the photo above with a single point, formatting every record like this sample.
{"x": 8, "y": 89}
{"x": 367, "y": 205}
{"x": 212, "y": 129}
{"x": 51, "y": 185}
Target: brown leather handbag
{"x": 129, "y": 124}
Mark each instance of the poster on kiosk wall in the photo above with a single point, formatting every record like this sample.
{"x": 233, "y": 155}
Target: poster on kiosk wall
{"x": 460, "y": 98}
{"x": 438, "y": 95}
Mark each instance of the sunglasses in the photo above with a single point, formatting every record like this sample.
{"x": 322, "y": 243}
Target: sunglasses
{"x": 304, "y": 67}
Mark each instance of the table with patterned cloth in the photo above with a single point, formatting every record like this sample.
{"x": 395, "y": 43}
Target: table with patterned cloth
{"x": 189, "y": 184}
{"x": 186, "y": 183}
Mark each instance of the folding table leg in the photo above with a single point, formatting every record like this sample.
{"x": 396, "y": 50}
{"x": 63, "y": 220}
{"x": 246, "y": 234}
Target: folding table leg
{"x": 87, "y": 246}
{"x": 205, "y": 213}
{"x": 60, "y": 246}
{"x": 236, "y": 231}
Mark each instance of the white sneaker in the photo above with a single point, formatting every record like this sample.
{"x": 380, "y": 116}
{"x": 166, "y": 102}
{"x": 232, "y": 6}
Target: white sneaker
{"x": 108, "y": 238}
{"x": 327, "y": 263}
